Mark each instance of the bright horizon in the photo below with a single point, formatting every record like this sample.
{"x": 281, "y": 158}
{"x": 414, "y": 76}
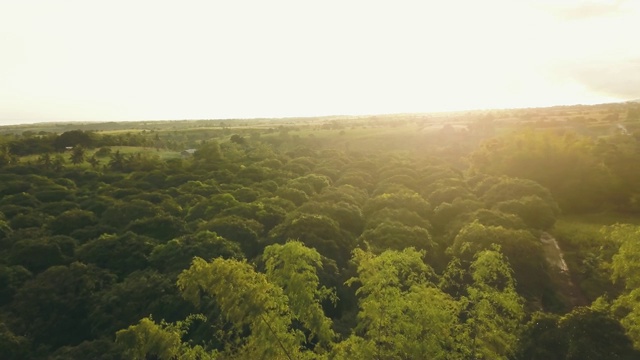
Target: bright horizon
{"x": 159, "y": 60}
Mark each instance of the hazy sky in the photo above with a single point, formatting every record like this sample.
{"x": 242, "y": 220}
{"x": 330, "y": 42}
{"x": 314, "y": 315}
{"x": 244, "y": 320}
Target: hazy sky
{"x": 144, "y": 60}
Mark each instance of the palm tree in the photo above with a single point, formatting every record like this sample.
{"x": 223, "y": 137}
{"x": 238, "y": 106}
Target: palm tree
{"x": 93, "y": 161}
{"x": 45, "y": 160}
{"x": 78, "y": 155}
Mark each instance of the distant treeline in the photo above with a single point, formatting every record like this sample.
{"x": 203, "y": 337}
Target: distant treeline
{"x": 30, "y": 144}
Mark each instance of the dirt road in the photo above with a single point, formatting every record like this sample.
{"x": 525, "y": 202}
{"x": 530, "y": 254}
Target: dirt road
{"x": 560, "y": 271}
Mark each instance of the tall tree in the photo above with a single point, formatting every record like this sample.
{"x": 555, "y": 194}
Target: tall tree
{"x": 45, "y": 160}
{"x": 117, "y": 161}
{"x": 494, "y": 308}
{"x": 292, "y": 266}
{"x": 269, "y": 305}
{"x": 403, "y": 315}
{"x": 93, "y": 161}
{"x": 77, "y": 155}
{"x": 5, "y": 156}
{"x": 209, "y": 153}
{"x": 248, "y": 300}
{"x": 58, "y": 163}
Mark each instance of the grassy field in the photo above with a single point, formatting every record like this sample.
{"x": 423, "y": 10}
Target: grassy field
{"x": 162, "y": 153}
{"x": 125, "y": 150}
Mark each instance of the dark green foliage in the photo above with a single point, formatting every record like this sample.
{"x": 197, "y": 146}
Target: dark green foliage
{"x": 534, "y": 211}
{"x": 402, "y": 216}
{"x": 6, "y": 158}
{"x": 110, "y": 178}
{"x": 455, "y": 280}
{"x": 71, "y": 220}
{"x": 152, "y": 197}
{"x": 5, "y": 230}
{"x": 346, "y": 193}
{"x": 495, "y": 218}
{"x": 347, "y": 215}
{"x": 207, "y": 209}
{"x": 209, "y": 154}
{"x": 121, "y": 254}
{"x": 316, "y": 182}
{"x": 155, "y": 179}
{"x": 73, "y": 138}
{"x": 121, "y": 214}
{"x": 91, "y": 232}
{"x": 140, "y": 294}
{"x": 523, "y": 251}
{"x": 445, "y": 213}
{"x": 298, "y": 167}
{"x": 205, "y": 189}
{"x": 94, "y": 162}
{"x": 264, "y": 211}
{"x": 296, "y": 196}
{"x": 243, "y": 231}
{"x": 235, "y": 138}
{"x": 32, "y": 145}
{"x": 244, "y": 210}
{"x": 268, "y": 213}
{"x": 449, "y": 194}
{"x": 246, "y": 195}
{"x": 13, "y": 346}
{"x": 255, "y": 173}
{"x": 97, "y": 204}
{"x": 117, "y": 161}
{"x": 391, "y": 235}
{"x": 39, "y": 254}
{"x": 584, "y": 333}
{"x": 20, "y": 199}
{"x": 78, "y": 155}
{"x": 130, "y": 191}
{"x": 57, "y": 208}
{"x": 279, "y": 202}
{"x": 21, "y": 221}
{"x": 406, "y": 181}
{"x": 509, "y": 188}
{"x": 174, "y": 180}
{"x": 11, "y": 279}
{"x": 542, "y": 339}
{"x": 176, "y": 255}
{"x": 360, "y": 180}
{"x": 10, "y": 187}
{"x": 315, "y": 231}
{"x": 402, "y": 199}
{"x": 100, "y": 349}
{"x": 162, "y": 228}
{"x": 54, "y": 307}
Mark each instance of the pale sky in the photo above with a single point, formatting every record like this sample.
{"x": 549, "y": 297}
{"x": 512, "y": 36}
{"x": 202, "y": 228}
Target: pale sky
{"x": 152, "y": 60}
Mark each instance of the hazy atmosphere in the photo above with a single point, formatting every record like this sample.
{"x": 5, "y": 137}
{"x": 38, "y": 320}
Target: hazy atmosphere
{"x": 146, "y": 60}
{"x": 319, "y": 180}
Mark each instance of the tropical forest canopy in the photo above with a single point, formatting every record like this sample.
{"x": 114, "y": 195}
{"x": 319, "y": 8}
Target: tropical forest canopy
{"x": 429, "y": 236}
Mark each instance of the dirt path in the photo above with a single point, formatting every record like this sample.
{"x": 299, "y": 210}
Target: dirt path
{"x": 560, "y": 271}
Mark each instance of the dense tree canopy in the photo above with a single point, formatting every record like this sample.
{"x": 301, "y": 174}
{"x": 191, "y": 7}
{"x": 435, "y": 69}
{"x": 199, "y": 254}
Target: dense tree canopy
{"x": 368, "y": 239}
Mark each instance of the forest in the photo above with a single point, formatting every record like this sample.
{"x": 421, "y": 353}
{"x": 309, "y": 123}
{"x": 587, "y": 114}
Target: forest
{"x": 493, "y": 234}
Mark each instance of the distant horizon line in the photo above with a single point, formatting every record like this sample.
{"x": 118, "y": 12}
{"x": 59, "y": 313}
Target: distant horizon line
{"x": 36, "y": 122}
